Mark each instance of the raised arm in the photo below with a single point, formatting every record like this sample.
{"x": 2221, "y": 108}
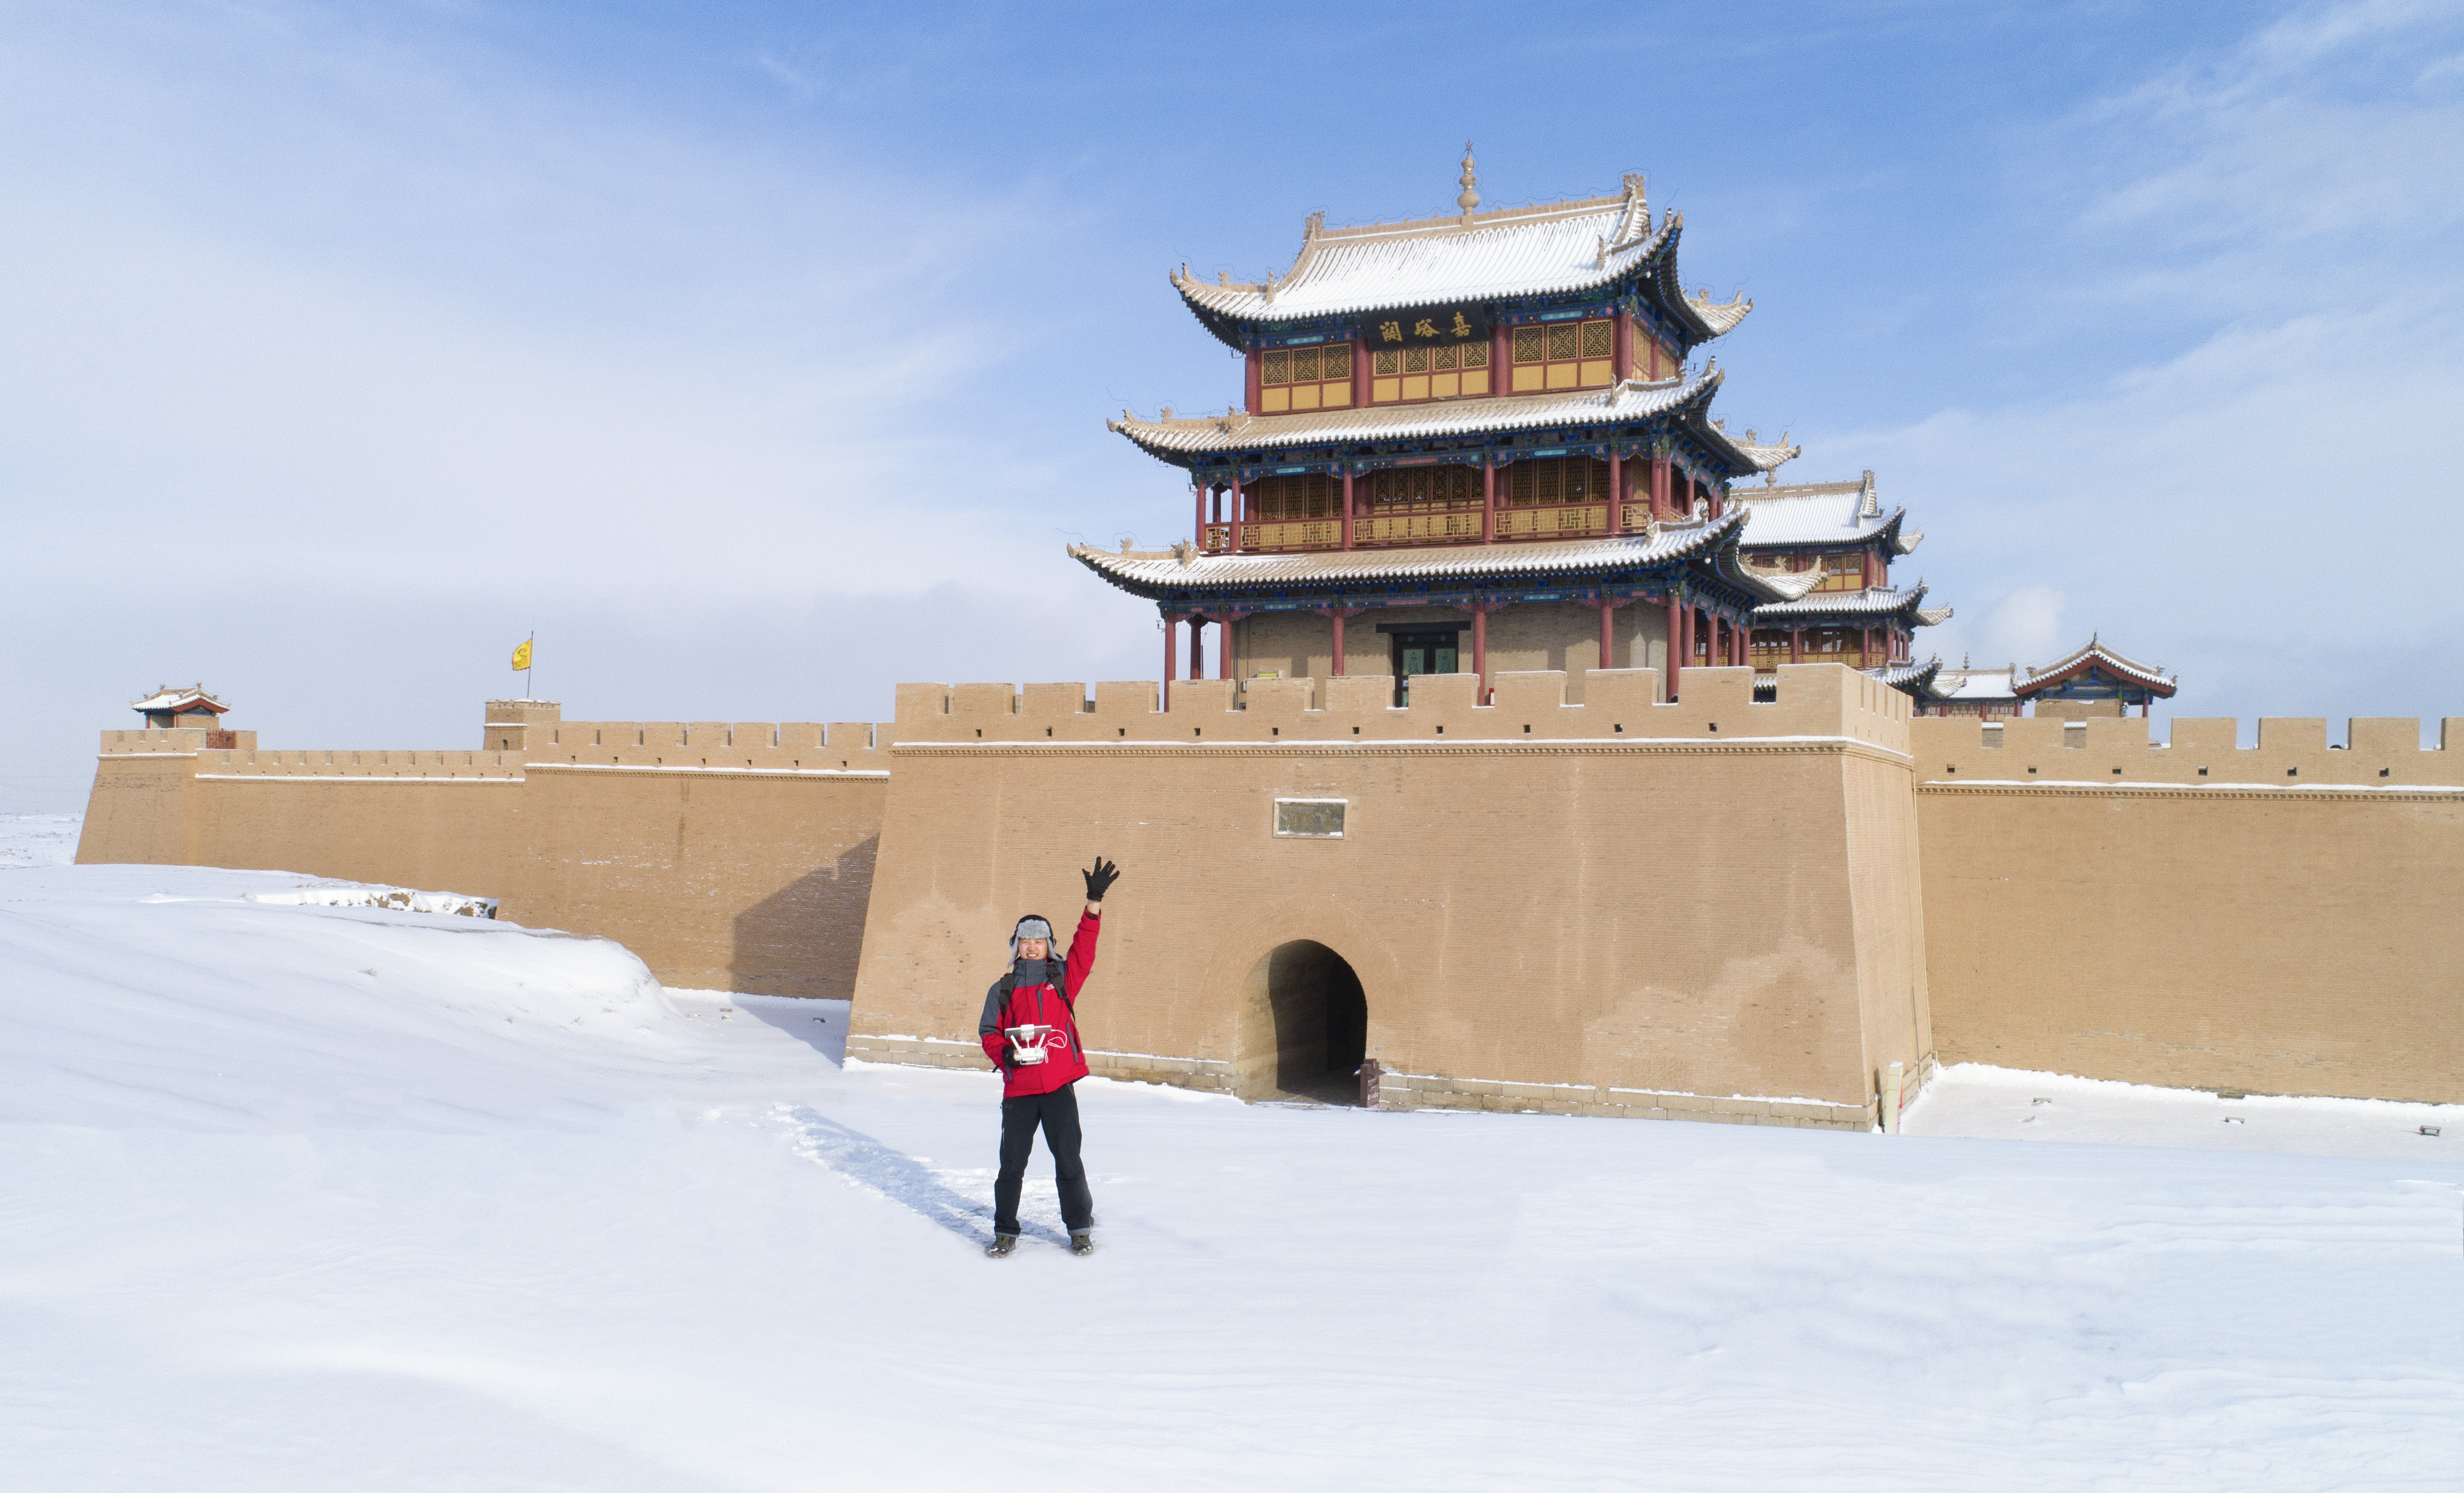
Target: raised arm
{"x": 1082, "y": 944}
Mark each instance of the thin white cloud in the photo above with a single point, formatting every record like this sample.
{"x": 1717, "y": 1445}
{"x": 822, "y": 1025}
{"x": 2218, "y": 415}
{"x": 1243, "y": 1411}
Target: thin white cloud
{"x": 2243, "y": 506}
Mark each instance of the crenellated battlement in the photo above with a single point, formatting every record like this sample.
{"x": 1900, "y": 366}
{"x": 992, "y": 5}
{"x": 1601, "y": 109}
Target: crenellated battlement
{"x": 2381, "y": 752}
{"x": 1811, "y": 701}
{"x": 156, "y": 741}
{"x": 740, "y": 746}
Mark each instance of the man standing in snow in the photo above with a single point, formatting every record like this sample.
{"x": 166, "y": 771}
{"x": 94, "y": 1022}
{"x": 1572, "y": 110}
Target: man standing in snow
{"x": 1030, "y": 1029}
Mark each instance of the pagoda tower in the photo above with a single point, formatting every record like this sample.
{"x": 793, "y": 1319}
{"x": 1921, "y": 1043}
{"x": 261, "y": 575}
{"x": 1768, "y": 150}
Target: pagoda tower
{"x": 1482, "y": 442}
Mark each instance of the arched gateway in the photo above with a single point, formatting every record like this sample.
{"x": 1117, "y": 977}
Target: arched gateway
{"x": 1304, "y": 1026}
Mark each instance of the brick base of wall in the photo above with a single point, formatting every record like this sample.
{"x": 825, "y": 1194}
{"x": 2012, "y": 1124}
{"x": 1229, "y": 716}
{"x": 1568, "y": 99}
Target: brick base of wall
{"x": 937, "y": 1052}
{"x": 1435, "y": 1091}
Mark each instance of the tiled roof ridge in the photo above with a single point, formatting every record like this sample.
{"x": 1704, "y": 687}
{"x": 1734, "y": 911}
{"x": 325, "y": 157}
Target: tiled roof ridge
{"x": 1563, "y": 206}
{"x": 165, "y": 696}
{"x": 1506, "y": 411}
{"x": 1908, "y": 675}
{"x": 1874, "y": 601}
{"x": 1625, "y": 246}
{"x": 1617, "y": 257}
{"x": 2093, "y": 651}
{"x": 1788, "y": 491}
{"x": 1709, "y": 540}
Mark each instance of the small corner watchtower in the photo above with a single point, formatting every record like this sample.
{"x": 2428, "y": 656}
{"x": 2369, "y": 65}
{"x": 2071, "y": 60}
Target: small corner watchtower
{"x": 169, "y": 710}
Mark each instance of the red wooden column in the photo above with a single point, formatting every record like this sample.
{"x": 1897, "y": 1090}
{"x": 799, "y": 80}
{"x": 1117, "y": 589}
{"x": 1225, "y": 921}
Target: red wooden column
{"x": 1347, "y": 544}
{"x": 1338, "y": 615}
{"x": 1480, "y": 649}
{"x": 1197, "y": 535}
{"x": 1233, "y": 517}
{"x": 1622, "y": 348}
{"x": 1616, "y": 491}
{"x": 1171, "y": 654}
{"x": 1675, "y": 642}
{"x": 1489, "y": 500}
{"x": 1224, "y": 644}
{"x": 1359, "y": 373}
{"x": 1250, "y": 383}
{"x": 1198, "y": 645}
{"x": 1796, "y": 645}
{"x": 1608, "y": 629}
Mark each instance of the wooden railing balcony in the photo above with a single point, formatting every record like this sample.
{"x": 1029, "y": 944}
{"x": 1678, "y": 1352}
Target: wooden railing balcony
{"x": 1428, "y": 523}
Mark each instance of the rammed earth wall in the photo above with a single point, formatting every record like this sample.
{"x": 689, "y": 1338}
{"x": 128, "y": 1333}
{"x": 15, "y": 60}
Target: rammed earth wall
{"x": 1713, "y": 909}
{"x": 2281, "y": 919}
{"x": 1547, "y": 905}
{"x": 728, "y": 855}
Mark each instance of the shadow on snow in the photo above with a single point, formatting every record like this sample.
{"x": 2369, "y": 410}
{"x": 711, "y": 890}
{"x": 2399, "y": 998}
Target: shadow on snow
{"x": 899, "y": 1177}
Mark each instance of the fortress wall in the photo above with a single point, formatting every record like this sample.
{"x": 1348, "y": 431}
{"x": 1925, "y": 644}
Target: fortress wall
{"x": 2284, "y": 921}
{"x": 138, "y": 813}
{"x": 1885, "y": 889}
{"x": 735, "y": 854}
{"x": 1616, "y": 908}
{"x": 737, "y": 879}
{"x": 436, "y": 831}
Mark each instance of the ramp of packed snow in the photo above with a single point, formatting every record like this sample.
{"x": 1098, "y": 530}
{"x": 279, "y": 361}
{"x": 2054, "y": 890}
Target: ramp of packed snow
{"x": 298, "y": 1196}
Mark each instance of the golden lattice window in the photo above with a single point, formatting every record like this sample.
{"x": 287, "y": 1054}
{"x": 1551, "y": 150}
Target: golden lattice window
{"x": 1556, "y": 479}
{"x": 1443, "y": 486}
{"x": 1312, "y": 495}
{"x": 1415, "y": 360}
{"x": 1568, "y": 355}
{"x": 1386, "y": 364}
{"x": 1292, "y": 379}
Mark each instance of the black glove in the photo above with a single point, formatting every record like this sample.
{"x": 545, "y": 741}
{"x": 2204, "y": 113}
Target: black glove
{"x": 1100, "y": 880}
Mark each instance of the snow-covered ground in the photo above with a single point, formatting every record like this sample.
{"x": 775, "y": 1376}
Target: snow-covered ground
{"x": 296, "y": 1197}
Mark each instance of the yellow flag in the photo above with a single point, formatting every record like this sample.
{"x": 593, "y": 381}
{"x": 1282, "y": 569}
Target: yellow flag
{"x": 523, "y": 654}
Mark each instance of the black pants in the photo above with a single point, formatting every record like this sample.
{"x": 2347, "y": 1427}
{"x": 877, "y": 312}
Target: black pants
{"x": 1058, "y": 1113}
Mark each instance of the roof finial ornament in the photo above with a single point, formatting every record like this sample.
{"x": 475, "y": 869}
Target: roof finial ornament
{"x": 1470, "y": 197}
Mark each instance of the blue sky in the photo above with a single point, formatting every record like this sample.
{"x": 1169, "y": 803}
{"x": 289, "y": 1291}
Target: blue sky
{"x": 758, "y": 356}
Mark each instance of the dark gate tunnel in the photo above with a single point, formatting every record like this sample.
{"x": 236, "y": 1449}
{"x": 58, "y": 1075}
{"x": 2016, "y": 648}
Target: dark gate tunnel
{"x": 1304, "y": 1027}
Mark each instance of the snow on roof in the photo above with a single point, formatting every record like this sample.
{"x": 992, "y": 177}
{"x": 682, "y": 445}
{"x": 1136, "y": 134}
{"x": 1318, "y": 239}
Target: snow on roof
{"x": 180, "y": 701}
{"x": 1238, "y": 432}
{"x": 1818, "y": 513}
{"x": 1170, "y": 436}
{"x": 1152, "y": 573}
{"x": 1861, "y": 605}
{"x": 2095, "y": 655}
{"x": 1911, "y": 676}
{"x": 1974, "y": 685}
{"x": 1553, "y": 248}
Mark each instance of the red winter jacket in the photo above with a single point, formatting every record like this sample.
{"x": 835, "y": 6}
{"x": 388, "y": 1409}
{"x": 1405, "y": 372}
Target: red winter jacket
{"x": 1017, "y": 1003}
